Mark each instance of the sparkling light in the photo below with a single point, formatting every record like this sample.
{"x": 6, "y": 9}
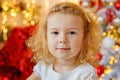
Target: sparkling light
{"x": 108, "y": 70}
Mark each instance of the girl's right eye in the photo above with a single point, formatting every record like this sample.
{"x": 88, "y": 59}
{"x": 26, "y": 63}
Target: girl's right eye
{"x": 55, "y": 33}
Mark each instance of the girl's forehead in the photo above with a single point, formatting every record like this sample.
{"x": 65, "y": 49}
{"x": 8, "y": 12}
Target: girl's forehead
{"x": 59, "y": 20}
{"x": 59, "y": 14}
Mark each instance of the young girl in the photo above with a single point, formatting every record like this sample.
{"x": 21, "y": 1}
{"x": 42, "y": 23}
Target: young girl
{"x": 65, "y": 44}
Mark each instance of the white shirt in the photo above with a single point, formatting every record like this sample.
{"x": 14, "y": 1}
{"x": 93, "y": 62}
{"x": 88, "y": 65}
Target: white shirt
{"x": 82, "y": 72}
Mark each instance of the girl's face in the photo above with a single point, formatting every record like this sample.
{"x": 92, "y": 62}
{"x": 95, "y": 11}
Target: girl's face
{"x": 65, "y": 35}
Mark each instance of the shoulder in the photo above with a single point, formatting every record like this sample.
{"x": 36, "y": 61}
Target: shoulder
{"x": 33, "y": 77}
{"x": 40, "y": 69}
{"x": 88, "y": 72}
{"x": 87, "y": 67}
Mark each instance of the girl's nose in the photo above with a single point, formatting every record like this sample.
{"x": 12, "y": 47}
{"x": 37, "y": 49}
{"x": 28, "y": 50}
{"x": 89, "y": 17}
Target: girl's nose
{"x": 63, "y": 39}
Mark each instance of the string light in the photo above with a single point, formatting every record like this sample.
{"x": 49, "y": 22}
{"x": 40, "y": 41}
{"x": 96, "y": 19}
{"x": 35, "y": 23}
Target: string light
{"x": 4, "y": 32}
{"x": 13, "y": 7}
{"x": 108, "y": 70}
{"x": 13, "y": 12}
{"x": 4, "y": 15}
{"x": 46, "y": 3}
{"x": 111, "y": 3}
{"x": 116, "y": 47}
{"x": 5, "y": 5}
{"x": 112, "y": 60}
{"x": 33, "y": 1}
{"x": 32, "y": 22}
{"x": 104, "y": 33}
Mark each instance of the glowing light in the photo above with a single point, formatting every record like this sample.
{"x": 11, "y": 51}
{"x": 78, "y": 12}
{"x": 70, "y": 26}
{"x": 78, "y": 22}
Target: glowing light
{"x": 4, "y": 32}
{"x": 47, "y": 3}
{"x": 11, "y": 9}
{"x": 111, "y": 3}
{"x": 116, "y": 47}
{"x": 32, "y": 22}
{"x": 13, "y": 13}
{"x": 4, "y": 17}
{"x": 104, "y": 33}
{"x": 112, "y": 60}
{"x": 63, "y": 0}
{"x": 5, "y": 6}
{"x": 108, "y": 70}
{"x": 26, "y": 14}
{"x": 24, "y": 22}
{"x": 33, "y": 1}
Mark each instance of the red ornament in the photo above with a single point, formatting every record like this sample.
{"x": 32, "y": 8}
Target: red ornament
{"x": 100, "y": 4}
{"x": 100, "y": 70}
{"x": 98, "y": 56}
{"x": 15, "y": 56}
{"x": 117, "y": 5}
{"x": 93, "y": 3}
{"x": 110, "y": 15}
{"x": 80, "y": 2}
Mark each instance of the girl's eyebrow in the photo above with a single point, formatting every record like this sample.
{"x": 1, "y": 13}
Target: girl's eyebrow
{"x": 74, "y": 28}
{"x": 53, "y": 28}
{"x": 68, "y": 28}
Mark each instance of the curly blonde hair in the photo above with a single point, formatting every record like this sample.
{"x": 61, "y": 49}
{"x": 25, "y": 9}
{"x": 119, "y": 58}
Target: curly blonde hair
{"x": 92, "y": 39}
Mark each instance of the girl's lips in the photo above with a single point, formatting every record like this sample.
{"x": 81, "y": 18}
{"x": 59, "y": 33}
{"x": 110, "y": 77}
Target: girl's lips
{"x": 63, "y": 48}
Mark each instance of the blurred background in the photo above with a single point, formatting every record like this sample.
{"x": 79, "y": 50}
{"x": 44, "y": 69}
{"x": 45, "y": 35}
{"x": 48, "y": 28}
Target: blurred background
{"x": 18, "y": 19}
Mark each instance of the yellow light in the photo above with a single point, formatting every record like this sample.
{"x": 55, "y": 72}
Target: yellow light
{"x": 32, "y": 22}
{"x": 108, "y": 70}
{"x": 4, "y": 32}
{"x": 112, "y": 60}
{"x": 47, "y": 3}
{"x": 28, "y": 5}
{"x": 104, "y": 33}
{"x": 4, "y": 15}
{"x": 24, "y": 22}
{"x": 111, "y": 27}
{"x": 26, "y": 14}
{"x": 33, "y": 1}
{"x": 5, "y": 6}
{"x": 63, "y": 0}
{"x": 109, "y": 34}
{"x": 115, "y": 47}
{"x": 13, "y": 13}
{"x": 114, "y": 30}
{"x": 13, "y": 1}
{"x": 111, "y": 4}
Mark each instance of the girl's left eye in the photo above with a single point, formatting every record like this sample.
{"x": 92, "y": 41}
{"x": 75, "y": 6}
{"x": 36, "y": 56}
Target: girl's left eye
{"x": 55, "y": 33}
{"x": 72, "y": 32}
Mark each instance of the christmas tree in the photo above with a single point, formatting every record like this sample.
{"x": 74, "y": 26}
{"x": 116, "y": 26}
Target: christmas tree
{"x": 108, "y": 16}
{"x": 107, "y": 13}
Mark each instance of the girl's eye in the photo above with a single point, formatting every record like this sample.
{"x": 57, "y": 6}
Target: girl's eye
{"x": 72, "y": 32}
{"x": 55, "y": 33}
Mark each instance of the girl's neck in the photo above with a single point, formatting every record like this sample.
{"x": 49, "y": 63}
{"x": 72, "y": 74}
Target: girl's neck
{"x": 63, "y": 66}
